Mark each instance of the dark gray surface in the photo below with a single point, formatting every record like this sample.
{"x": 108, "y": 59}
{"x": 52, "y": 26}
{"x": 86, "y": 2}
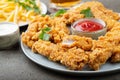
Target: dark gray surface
{"x": 14, "y": 65}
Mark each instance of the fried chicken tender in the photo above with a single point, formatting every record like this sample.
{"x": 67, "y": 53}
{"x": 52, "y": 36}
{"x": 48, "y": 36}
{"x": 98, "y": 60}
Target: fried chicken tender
{"x": 44, "y": 47}
{"x": 101, "y": 52}
{"x": 31, "y": 35}
{"x": 111, "y": 39}
{"x": 116, "y": 54}
{"x": 98, "y": 57}
{"x": 73, "y": 58}
{"x": 100, "y": 9}
{"x": 71, "y": 16}
{"x": 58, "y": 31}
{"x": 80, "y": 42}
{"x": 114, "y": 38}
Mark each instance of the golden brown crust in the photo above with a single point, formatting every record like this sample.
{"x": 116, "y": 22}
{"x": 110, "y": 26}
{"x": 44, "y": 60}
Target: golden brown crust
{"x": 116, "y": 54}
{"x": 74, "y": 58}
{"x": 80, "y": 42}
{"x": 99, "y": 57}
{"x": 101, "y": 52}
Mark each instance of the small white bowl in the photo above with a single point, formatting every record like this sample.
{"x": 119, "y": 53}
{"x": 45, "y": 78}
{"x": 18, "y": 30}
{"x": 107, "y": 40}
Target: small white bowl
{"x": 94, "y": 34}
{"x": 9, "y": 34}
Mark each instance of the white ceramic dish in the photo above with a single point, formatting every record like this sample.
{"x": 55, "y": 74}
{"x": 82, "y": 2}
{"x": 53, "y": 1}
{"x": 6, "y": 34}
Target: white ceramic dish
{"x": 9, "y": 34}
{"x": 43, "y": 11}
{"x": 43, "y": 61}
{"x": 94, "y": 34}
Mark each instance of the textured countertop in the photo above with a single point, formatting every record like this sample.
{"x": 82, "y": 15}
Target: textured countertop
{"x": 14, "y": 65}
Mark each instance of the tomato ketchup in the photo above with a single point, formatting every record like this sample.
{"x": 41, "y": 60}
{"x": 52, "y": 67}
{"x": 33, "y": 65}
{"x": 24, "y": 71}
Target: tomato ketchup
{"x": 88, "y": 26}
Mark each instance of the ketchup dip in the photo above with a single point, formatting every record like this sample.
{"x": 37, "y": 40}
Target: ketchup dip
{"x": 90, "y": 27}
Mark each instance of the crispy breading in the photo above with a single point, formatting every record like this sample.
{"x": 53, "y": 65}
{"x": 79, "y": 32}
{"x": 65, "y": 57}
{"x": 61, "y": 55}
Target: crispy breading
{"x": 75, "y": 58}
{"x": 44, "y": 47}
{"x": 98, "y": 57}
{"x": 80, "y": 42}
{"x": 58, "y": 31}
{"x": 101, "y": 52}
{"x": 33, "y": 31}
{"x": 113, "y": 37}
{"x": 100, "y": 9}
{"x": 71, "y": 16}
{"x": 27, "y": 37}
{"x": 116, "y": 54}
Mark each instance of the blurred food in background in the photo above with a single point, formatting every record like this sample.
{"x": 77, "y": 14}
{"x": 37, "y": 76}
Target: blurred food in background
{"x": 55, "y": 5}
{"x": 65, "y": 3}
{"x": 19, "y": 10}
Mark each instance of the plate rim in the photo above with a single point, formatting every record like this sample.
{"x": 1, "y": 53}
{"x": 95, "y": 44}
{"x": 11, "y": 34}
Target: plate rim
{"x": 69, "y": 71}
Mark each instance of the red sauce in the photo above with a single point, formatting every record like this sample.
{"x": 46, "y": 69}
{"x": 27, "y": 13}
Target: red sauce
{"x": 88, "y": 26}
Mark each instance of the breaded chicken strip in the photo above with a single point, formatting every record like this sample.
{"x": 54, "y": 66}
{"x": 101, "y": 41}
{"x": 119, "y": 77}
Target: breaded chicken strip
{"x": 101, "y": 52}
{"x": 73, "y": 58}
{"x": 31, "y": 35}
{"x": 77, "y": 41}
{"x": 58, "y": 31}
{"x": 114, "y": 38}
{"x": 116, "y": 54}
{"x": 44, "y": 47}
{"x": 33, "y": 31}
{"x": 98, "y": 57}
{"x": 100, "y": 9}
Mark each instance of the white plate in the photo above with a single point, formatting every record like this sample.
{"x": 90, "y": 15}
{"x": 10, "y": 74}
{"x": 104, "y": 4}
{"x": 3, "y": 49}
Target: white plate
{"x": 43, "y": 11}
{"x": 43, "y": 61}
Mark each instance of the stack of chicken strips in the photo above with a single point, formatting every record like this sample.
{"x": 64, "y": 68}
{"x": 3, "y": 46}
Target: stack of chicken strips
{"x": 73, "y": 51}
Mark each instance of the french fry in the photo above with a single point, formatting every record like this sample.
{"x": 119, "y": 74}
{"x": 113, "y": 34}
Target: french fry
{"x": 10, "y": 18}
{"x": 14, "y": 12}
